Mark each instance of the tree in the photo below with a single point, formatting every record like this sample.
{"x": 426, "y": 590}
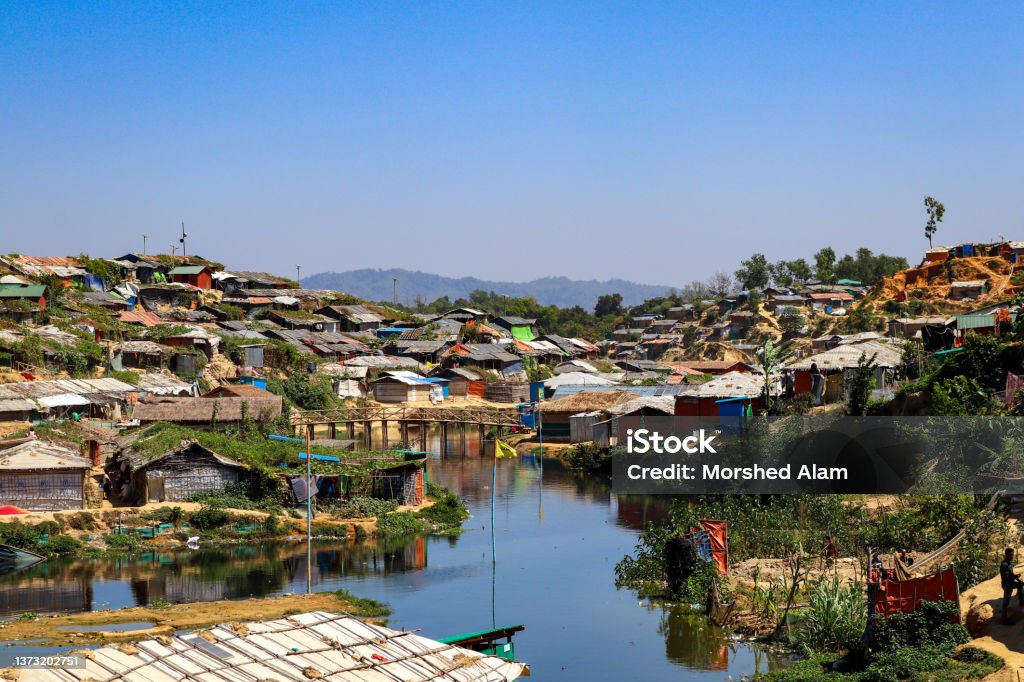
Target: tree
{"x": 861, "y": 384}
{"x": 934, "y": 209}
{"x": 754, "y": 272}
{"x": 754, "y": 301}
{"x": 791, "y": 321}
{"x": 772, "y": 358}
{"x": 799, "y": 269}
{"x": 720, "y": 283}
{"x": 824, "y": 265}
{"x": 608, "y": 304}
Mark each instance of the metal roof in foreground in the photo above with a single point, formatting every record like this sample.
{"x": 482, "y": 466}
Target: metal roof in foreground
{"x": 299, "y": 648}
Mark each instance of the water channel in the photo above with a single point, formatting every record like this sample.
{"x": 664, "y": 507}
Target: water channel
{"x": 558, "y": 538}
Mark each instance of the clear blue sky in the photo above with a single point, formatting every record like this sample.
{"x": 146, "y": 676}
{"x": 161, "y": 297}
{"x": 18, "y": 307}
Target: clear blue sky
{"x": 652, "y": 141}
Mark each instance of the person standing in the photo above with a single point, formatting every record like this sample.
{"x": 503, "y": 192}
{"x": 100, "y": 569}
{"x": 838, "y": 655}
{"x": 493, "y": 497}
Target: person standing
{"x": 1010, "y": 582}
{"x": 817, "y": 384}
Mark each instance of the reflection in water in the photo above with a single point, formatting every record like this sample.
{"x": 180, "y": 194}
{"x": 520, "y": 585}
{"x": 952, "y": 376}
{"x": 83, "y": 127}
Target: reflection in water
{"x": 558, "y": 538}
{"x": 209, "y": 574}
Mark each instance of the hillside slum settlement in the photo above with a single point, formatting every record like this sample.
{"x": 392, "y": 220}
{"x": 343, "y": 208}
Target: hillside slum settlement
{"x": 119, "y": 344}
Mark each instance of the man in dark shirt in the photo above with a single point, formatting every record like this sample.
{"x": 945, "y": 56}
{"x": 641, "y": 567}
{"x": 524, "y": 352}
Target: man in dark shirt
{"x": 1010, "y": 581}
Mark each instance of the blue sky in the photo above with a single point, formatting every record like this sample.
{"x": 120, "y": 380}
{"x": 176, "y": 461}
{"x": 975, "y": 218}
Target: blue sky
{"x": 657, "y": 142}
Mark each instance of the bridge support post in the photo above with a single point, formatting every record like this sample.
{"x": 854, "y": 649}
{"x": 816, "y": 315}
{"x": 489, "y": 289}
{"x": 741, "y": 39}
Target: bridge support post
{"x": 481, "y": 431}
{"x": 403, "y": 427}
{"x": 444, "y": 439}
{"x": 332, "y": 431}
{"x": 423, "y": 436}
{"x": 462, "y": 438}
{"x": 351, "y": 430}
{"x": 368, "y": 434}
{"x": 384, "y": 434}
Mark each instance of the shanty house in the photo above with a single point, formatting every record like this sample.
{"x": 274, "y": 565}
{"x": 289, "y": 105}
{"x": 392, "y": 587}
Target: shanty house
{"x": 145, "y": 270}
{"x": 400, "y": 386}
{"x": 830, "y": 300}
{"x": 967, "y": 289}
{"x": 17, "y": 409}
{"x": 485, "y": 356}
{"x": 705, "y": 400}
{"x": 197, "y": 275}
{"x": 175, "y": 475}
{"x": 835, "y": 363}
{"x": 33, "y": 293}
{"x": 460, "y": 380}
{"x": 557, "y": 414}
{"x": 139, "y": 355}
{"x": 521, "y": 328}
{"x": 422, "y": 351}
{"x": 42, "y": 476}
{"x": 352, "y": 318}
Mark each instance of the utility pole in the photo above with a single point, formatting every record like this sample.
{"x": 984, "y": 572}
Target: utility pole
{"x": 144, "y": 238}
{"x": 298, "y": 274}
{"x": 173, "y": 249}
{"x": 394, "y": 289}
{"x": 184, "y": 235}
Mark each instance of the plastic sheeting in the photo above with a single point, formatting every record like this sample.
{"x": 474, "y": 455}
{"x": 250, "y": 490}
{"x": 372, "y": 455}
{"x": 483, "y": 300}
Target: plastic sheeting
{"x": 903, "y": 596}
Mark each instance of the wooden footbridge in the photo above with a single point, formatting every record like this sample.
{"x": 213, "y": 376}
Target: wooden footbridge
{"x": 451, "y": 421}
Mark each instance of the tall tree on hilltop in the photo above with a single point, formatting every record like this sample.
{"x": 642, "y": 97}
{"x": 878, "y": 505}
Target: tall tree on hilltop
{"x": 754, "y": 272}
{"x": 608, "y": 304}
{"x": 824, "y": 265}
{"x": 934, "y": 209}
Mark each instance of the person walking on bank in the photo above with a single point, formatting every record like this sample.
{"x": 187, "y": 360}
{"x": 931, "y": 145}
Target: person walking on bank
{"x": 1010, "y": 581}
{"x": 817, "y": 384}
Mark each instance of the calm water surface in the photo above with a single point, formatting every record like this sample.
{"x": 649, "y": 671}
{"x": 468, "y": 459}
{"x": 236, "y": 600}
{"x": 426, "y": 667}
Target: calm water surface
{"x": 558, "y": 538}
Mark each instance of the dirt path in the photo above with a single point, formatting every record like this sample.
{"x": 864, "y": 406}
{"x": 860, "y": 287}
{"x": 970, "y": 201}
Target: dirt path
{"x": 1005, "y": 641}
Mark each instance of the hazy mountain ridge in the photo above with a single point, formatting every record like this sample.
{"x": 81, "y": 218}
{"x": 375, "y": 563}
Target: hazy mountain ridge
{"x": 376, "y": 285}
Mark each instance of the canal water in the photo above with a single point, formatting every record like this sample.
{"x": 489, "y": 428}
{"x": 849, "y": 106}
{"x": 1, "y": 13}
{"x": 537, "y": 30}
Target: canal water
{"x": 558, "y": 537}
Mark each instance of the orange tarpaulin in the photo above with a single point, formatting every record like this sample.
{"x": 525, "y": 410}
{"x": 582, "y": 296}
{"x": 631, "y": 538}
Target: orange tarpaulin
{"x": 904, "y": 596}
{"x": 718, "y": 538}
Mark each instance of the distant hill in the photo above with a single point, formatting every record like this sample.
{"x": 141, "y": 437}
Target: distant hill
{"x": 376, "y": 285}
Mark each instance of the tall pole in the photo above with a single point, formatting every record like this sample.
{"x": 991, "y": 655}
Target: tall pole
{"x": 394, "y": 289}
{"x": 182, "y": 240}
{"x": 309, "y": 512}
{"x": 144, "y": 238}
{"x": 298, "y": 275}
{"x": 494, "y": 483}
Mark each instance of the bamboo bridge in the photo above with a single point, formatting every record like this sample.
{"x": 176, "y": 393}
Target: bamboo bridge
{"x": 450, "y": 420}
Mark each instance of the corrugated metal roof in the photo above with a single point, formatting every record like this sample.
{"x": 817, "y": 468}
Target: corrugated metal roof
{"x": 187, "y": 270}
{"x": 298, "y": 648}
{"x": 37, "y": 455}
{"x": 22, "y": 291}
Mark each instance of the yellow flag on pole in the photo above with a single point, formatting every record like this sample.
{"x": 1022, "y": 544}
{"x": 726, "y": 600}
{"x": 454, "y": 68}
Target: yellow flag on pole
{"x": 503, "y": 450}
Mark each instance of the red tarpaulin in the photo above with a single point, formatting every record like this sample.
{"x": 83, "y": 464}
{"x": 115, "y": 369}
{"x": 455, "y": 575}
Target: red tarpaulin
{"x": 9, "y": 509}
{"x": 718, "y": 539}
{"x": 904, "y": 596}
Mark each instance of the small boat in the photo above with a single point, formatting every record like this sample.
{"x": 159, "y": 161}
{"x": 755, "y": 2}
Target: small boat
{"x": 493, "y": 642}
{"x": 13, "y": 559}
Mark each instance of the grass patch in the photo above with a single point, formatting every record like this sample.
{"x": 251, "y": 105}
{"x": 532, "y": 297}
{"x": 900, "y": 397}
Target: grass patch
{"x": 371, "y": 608}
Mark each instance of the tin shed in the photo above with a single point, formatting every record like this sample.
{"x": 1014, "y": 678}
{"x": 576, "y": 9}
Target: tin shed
{"x": 42, "y": 476}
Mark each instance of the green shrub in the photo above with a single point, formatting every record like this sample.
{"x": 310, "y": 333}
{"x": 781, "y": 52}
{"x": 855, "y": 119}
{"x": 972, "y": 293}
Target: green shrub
{"x": 60, "y": 544}
{"x": 588, "y": 457}
{"x": 209, "y": 517}
{"x": 126, "y": 542}
{"x": 927, "y": 627}
{"x": 447, "y": 512}
{"x": 836, "y": 617}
